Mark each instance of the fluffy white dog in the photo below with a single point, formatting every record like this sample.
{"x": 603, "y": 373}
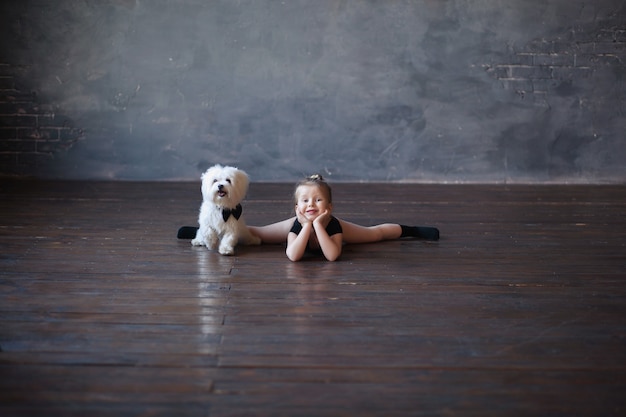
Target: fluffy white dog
{"x": 221, "y": 222}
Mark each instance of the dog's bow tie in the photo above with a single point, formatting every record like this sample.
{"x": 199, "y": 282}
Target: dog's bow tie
{"x": 236, "y": 212}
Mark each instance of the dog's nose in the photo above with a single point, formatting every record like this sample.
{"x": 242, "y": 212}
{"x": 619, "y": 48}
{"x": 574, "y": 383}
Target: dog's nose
{"x": 220, "y": 187}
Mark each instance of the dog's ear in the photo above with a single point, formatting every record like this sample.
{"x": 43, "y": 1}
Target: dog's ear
{"x": 212, "y": 171}
{"x": 206, "y": 173}
{"x": 242, "y": 178}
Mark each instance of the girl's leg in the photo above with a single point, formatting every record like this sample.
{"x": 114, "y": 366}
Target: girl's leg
{"x": 273, "y": 233}
{"x": 354, "y": 233}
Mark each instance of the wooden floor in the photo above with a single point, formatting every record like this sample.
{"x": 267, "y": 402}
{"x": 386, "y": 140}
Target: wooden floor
{"x": 519, "y": 309}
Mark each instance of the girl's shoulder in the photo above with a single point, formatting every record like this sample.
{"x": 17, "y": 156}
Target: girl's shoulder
{"x": 334, "y": 226}
{"x": 296, "y": 227}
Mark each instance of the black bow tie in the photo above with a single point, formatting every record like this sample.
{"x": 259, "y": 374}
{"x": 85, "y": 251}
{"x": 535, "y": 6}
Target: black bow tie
{"x": 236, "y": 212}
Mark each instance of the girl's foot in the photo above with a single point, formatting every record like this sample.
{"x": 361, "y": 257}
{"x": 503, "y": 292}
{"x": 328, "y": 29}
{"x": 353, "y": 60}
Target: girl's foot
{"x": 421, "y": 232}
{"x": 187, "y": 232}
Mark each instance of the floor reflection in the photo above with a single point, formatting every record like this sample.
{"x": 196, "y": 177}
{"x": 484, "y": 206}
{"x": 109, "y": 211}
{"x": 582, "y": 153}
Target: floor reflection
{"x": 316, "y": 298}
{"x": 213, "y": 285}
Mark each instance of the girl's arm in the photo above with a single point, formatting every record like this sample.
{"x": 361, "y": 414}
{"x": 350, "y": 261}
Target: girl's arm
{"x": 297, "y": 243}
{"x": 330, "y": 245}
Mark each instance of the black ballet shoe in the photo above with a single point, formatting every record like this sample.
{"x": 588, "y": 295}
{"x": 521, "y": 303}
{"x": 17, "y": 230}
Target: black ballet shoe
{"x": 187, "y": 232}
{"x": 420, "y": 232}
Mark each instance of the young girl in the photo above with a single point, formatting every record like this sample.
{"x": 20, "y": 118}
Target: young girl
{"x": 313, "y": 226}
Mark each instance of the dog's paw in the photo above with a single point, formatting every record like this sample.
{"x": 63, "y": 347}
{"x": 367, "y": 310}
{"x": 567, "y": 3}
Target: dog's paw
{"x": 197, "y": 242}
{"x": 226, "y": 250}
{"x": 212, "y": 244}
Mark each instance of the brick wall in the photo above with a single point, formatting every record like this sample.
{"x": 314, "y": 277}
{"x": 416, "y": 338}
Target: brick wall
{"x": 546, "y": 65}
{"x": 450, "y": 91}
{"x": 30, "y": 132}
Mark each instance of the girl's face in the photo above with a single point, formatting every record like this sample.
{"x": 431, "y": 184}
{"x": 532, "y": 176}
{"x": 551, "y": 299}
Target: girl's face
{"x": 311, "y": 201}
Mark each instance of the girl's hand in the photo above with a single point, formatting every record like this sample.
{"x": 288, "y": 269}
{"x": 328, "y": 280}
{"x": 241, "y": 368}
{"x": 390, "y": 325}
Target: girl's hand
{"x": 323, "y": 219}
{"x": 301, "y": 218}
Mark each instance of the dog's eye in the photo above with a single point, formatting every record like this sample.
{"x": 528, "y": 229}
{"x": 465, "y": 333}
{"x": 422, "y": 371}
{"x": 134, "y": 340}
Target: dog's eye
{"x": 214, "y": 181}
{"x": 228, "y": 180}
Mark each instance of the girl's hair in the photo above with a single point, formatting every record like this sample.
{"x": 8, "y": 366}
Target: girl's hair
{"x": 317, "y": 180}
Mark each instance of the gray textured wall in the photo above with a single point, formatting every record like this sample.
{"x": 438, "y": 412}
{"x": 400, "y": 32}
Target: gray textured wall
{"x": 424, "y": 90}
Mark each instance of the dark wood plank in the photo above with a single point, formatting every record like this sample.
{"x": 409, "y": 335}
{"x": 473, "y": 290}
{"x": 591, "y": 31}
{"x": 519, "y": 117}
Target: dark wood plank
{"x": 518, "y": 310}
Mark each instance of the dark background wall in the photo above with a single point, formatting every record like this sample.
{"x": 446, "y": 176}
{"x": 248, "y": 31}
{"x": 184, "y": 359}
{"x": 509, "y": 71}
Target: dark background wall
{"x": 424, "y": 90}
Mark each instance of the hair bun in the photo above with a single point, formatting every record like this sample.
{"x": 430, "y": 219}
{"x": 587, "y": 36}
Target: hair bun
{"x": 315, "y": 180}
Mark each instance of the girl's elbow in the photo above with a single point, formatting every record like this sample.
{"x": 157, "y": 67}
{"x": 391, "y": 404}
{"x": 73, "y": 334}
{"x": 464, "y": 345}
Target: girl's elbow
{"x": 293, "y": 257}
{"x": 333, "y": 257}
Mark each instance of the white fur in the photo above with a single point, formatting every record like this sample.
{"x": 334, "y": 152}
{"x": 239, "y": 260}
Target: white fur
{"x": 214, "y": 232}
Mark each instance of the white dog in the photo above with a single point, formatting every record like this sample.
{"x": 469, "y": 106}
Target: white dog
{"x": 221, "y": 222}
